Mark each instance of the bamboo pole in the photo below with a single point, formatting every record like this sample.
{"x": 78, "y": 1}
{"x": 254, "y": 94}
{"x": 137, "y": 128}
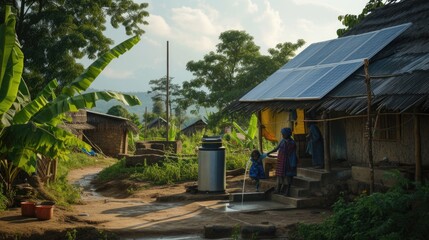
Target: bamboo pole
{"x": 369, "y": 125}
{"x": 261, "y": 148}
{"x": 417, "y": 149}
{"x": 326, "y": 145}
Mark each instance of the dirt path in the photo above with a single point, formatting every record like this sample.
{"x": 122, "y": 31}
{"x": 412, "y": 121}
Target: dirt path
{"x": 141, "y": 215}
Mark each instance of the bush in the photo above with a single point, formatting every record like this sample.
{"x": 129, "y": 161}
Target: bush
{"x": 400, "y": 213}
{"x": 3, "y": 200}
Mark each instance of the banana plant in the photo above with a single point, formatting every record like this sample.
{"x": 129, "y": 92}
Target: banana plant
{"x": 249, "y": 135}
{"x": 30, "y": 128}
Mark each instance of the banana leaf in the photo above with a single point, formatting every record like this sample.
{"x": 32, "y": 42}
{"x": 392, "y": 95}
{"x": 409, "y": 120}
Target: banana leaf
{"x": 21, "y": 100}
{"x": 22, "y": 143}
{"x": 11, "y": 63}
{"x": 64, "y": 104}
{"x": 82, "y": 82}
{"x": 34, "y": 106}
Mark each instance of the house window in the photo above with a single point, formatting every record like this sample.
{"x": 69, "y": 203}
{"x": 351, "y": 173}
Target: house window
{"x": 387, "y": 128}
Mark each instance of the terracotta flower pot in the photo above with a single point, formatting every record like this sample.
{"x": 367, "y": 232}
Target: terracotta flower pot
{"x": 44, "y": 212}
{"x": 28, "y": 209}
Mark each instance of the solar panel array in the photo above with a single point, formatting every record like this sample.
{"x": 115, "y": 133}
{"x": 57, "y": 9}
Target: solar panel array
{"x": 322, "y": 66}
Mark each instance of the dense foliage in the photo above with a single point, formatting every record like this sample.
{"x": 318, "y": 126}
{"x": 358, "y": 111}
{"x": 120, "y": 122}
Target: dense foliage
{"x": 54, "y": 33}
{"x": 400, "y": 213}
{"x": 30, "y": 128}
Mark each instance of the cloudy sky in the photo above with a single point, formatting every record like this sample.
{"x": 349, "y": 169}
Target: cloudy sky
{"x": 192, "y": 28}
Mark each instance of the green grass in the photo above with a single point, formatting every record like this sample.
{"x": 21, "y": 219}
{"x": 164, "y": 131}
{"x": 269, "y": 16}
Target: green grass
{"x": 64, "y": 192}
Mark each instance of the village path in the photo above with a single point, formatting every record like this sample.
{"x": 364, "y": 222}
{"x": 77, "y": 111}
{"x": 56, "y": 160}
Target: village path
{"x": 142, "y": 217}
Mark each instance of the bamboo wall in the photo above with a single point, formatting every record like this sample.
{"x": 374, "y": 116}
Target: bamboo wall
{"x": 401, "y": 150}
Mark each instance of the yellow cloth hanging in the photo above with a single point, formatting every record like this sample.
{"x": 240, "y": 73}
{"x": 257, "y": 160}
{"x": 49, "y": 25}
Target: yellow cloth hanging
{"x": 272, "y": 122}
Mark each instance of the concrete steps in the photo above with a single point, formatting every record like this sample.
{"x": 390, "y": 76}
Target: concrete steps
{"x": 305, "y": 190}
{"x": 298, "y": 202}
{"x": 307, "y": 182}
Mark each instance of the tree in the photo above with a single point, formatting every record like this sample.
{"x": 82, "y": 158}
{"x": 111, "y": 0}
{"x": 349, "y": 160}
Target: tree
{"x": 350, "y": 20}
{"x": 30, "y": 128}
{"x": 159, "y": 90}
{"x": 236, "y": 67}
{"x": 119, "y": 111}
{"x": 54, "y": 33}
{"x": 158, "y": 107}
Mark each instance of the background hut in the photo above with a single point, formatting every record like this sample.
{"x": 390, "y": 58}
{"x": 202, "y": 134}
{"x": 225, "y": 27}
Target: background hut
{"x": 197, "y": 126}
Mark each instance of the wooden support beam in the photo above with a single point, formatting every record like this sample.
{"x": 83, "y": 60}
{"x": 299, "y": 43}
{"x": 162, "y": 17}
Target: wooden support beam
{"x": 326, "y": 145}
{"x": 417, "y": 149}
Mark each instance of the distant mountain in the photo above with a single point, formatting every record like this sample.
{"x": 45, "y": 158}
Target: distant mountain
{"x": 147, "y": 104}
{"x": 145, "y": 98}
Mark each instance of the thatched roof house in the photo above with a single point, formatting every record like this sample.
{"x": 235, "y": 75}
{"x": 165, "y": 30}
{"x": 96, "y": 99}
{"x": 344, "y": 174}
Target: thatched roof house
{"x": 399, "y": 81}
{"x": 106, "y": 133}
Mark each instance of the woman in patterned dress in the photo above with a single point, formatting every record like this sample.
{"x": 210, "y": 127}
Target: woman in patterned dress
{"x": 287, "y": 161}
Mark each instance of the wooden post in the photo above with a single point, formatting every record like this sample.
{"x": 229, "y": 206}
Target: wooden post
{"x": 326, "y": 145}
{"x": 261, "y": 148}
{"x": 369, "y": 125}
{"x": 417, "y": 149}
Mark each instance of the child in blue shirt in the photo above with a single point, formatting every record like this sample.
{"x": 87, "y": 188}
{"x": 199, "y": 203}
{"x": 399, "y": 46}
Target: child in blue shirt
{"x": 256, "y": 171}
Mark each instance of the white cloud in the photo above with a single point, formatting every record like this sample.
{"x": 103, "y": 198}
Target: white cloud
{"x": 325, "y": 4}
{"x": 193, "y": 20}
{"x": 271, "y": 26}
{"x": 116, "y": 74}
{"x": 158, "y": 26}
{"x": 251, "y": 7}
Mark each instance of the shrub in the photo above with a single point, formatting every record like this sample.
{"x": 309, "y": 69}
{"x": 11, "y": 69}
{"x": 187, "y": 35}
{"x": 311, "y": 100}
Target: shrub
{"x": 3, "y": 200}
{"x": 400, "y": 213}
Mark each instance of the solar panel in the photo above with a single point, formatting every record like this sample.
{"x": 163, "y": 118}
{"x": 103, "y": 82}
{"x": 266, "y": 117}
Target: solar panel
{"x": 322, "y": 66}
{"x": 330, "y": 80}
{"x": 304, "y": 55}
{"x": 266, "y": 85}
{"x": 308, "y": 79}
{"x": 323, "y": 53}
{"x": 377, "y": 42}
{"x": 353, "y": 42}
{"x": 292, "y": 78}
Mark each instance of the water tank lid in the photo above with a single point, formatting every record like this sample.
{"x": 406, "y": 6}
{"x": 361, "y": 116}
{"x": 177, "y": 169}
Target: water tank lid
{"x": 211, "y": 142}
{"x": 212, "y": 139}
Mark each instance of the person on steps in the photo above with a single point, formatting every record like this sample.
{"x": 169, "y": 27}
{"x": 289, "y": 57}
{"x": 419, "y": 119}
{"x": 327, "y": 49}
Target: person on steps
{"x": 287, "y": 161}
{"x": 315, "y": 146}
{"x": 256, "y": 171}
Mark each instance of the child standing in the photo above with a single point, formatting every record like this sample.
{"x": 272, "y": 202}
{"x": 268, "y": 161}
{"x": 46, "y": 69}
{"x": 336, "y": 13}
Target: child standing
{"x": 256, "y": 171}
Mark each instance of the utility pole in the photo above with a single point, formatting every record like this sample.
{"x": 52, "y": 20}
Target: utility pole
{"x": 167, "y": 94}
